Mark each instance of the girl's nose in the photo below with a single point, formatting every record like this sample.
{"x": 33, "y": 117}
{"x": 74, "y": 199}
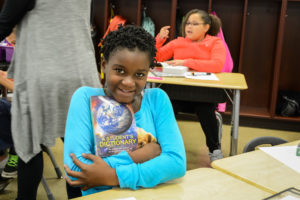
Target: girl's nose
{"x": 128, "y": 81}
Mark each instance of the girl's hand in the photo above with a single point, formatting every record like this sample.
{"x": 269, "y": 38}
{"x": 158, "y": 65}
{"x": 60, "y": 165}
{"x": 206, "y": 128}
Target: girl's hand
{"x": 175, "y": 62}
{"x": 147, "y": 152}
{"x": 98, "y": 173}
{"x": 164, "y": 32}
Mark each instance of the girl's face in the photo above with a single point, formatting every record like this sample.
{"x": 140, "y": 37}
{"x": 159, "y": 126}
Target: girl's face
{"x": 126, "y": 74}
{"x": 195, "y": 29}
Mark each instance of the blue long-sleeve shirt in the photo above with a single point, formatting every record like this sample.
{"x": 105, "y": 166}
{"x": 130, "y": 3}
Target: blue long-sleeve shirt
{"x": 155, "y": 116}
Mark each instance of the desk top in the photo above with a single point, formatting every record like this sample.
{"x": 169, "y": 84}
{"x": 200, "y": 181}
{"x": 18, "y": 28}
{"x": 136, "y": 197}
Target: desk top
{"x": 201, "y": 183}
{"x": 260, "y": 170}
{"x": 226, "y": 81}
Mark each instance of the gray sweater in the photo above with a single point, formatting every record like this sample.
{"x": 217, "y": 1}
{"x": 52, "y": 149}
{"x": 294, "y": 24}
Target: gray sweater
{"x": 54, "y": 56}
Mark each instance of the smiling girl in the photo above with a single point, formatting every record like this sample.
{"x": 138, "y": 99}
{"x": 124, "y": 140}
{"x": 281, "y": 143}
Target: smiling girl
{"x": 128, "y": 55}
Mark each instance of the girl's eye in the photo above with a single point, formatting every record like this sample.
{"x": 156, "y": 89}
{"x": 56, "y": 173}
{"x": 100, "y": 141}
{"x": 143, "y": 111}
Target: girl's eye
{"x": 119, "y": 70}
{"x": 140, "y": 75}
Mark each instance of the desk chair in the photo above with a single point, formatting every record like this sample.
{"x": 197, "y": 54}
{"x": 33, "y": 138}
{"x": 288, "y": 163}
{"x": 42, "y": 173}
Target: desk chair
{"x": 57, "y": 170}
{"x": 250, "y": 146}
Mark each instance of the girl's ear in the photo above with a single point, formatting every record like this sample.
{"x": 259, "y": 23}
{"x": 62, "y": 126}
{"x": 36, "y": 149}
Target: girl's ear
{"x": 103, "y": 65}
{"x": 207, "y": 27}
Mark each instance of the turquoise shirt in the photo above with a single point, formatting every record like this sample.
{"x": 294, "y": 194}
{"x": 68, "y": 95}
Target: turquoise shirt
{"x": 155, "y": 116}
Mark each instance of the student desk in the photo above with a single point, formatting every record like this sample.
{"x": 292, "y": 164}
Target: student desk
{"x": 201, "y": 183}
{"x": 261, "y": 170}
{"x": 227, "y": 81}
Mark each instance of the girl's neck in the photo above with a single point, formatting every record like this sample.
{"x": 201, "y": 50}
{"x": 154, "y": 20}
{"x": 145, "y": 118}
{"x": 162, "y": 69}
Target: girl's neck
{"x": 135, "y": 104}
{"x": 201, "y": 39}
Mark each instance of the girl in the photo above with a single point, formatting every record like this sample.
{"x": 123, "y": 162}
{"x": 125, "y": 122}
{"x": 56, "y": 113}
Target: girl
{"x": 128, "y": 54}
{"x": 199, "y": 50}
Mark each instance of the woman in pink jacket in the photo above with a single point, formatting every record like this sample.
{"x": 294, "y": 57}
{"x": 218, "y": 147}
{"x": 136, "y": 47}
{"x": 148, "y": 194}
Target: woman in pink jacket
{"x": 200, "y": 50}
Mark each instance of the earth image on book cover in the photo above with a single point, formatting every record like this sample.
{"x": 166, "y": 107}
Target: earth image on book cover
{"x": 114, "y": 126}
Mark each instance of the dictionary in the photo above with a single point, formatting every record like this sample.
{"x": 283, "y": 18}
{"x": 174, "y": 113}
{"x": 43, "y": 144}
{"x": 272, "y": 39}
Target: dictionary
{"x": 113, "y": 125}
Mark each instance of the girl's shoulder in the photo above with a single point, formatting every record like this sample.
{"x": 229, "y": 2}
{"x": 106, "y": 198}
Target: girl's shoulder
{"x": 210, "y": 38}
{"x": 88, "y": 91}
{"x": 155, "y": 94}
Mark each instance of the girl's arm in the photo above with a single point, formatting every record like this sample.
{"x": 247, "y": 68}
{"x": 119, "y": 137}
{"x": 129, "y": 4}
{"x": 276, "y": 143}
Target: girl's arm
{"x": 163, "y": 52}
{"x": 12, "y": 13}
{"x": 171, "y": 163}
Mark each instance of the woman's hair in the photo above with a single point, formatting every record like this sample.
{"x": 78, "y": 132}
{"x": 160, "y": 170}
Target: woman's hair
{"x": 213, "y": 21}
{"x": 130, "y": 37}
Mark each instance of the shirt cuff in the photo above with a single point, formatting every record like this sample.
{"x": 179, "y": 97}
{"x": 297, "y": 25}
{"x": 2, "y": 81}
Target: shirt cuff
{"x": 121, "y": 158}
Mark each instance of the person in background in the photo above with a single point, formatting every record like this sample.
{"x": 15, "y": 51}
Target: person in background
{"x": 6, "y": 142}
{"x": 54, "y": 56}
{"x": 201, "y": 51}
{"x": 10, "y": 169}
{"x": 128, "y": 55}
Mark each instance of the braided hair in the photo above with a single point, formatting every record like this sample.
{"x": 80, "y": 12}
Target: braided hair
{"x": 131, "y": 37}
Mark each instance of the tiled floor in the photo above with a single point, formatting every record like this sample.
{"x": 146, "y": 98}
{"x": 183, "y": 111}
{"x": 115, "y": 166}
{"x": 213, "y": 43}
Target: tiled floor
{"x": 195, "y": 147}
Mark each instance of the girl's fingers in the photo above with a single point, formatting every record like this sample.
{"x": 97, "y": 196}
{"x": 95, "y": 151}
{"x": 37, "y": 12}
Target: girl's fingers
{"x": 75, "y": 183}
{"x": 72, "y": 173}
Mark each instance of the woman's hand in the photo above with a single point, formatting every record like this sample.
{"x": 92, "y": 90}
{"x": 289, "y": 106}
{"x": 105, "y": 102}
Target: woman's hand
{"x": 175, "y": 62}
{"x": 147, "y": 152}
{"x": 164, "y": 32}
{"x": 98, "y": 173}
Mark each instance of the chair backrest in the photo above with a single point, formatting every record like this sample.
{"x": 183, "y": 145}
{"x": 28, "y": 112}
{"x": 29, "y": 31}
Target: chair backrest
{"x": 263, "y": 140}
{"x": 228, "y": 66}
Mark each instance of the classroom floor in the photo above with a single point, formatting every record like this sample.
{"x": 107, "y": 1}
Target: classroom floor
{"x": 195, "y": 147}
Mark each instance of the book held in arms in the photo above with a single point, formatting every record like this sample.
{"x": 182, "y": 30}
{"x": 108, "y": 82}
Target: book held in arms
{"x": 115, "y": 128}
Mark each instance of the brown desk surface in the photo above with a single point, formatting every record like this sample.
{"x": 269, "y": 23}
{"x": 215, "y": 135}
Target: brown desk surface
{"x": 226, "y": 81}
{"x": 201, "y": 183}
{"x": 261, "y": 170}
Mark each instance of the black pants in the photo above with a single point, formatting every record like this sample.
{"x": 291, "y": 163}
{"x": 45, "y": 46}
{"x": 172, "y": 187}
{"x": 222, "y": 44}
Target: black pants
{"x": 6, "y": 140}
{"x": 29, "y": 177}
{"x": 207, "y": 118}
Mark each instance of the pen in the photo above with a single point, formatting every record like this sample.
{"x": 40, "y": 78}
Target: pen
{"x": 200, "y": 73}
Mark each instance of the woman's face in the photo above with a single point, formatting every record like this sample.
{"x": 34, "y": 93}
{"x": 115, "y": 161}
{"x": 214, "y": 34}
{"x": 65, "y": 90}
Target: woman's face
{"x": 195, "y": 29}
{"x": 126, "y": 74}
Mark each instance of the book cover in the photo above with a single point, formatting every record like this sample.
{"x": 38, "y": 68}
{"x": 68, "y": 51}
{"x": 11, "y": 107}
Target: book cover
{"x": 114, "y": 126}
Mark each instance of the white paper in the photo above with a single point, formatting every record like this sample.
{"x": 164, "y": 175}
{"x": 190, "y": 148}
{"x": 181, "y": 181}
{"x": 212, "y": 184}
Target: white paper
{"x": 289, "y": 197}
{"x": 284, "y": 154}
{"x": 201, "y": 76}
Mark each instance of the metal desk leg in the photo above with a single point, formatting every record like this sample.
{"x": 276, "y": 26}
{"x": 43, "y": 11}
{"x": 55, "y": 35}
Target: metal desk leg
{"x": 235, "y": 122}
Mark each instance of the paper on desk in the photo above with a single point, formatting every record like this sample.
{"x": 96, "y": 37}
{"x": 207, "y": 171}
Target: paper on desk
{"x": 201, "y": 76}
{"x": 289, "y": 198}
{"x": 284, "y": 154}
